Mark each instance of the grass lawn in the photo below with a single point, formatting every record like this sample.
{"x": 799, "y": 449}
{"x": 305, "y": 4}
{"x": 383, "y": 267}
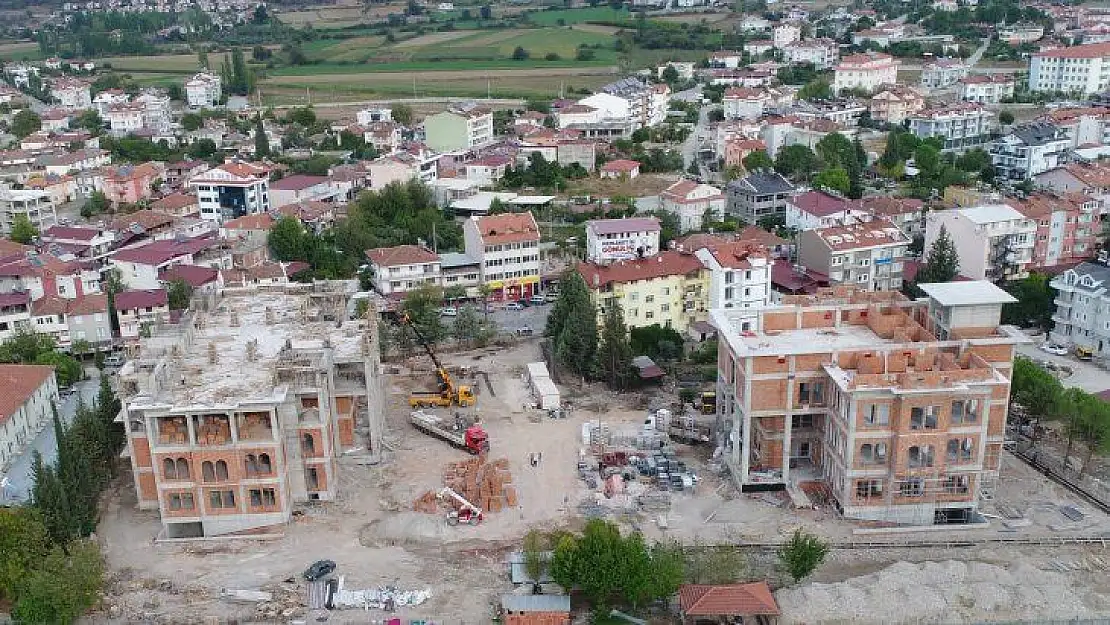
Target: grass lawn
{"x": 574, "y": 16}
{"x": 17, "y": 51}
{"x": 433, "y": 66}
{"x": 349, "y": 88}
{"x": 164, "y": 63}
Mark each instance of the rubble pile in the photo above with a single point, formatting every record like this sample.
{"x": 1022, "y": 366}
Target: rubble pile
{"x": 486, "y": 484}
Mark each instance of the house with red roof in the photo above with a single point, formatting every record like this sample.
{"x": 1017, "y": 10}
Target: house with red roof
{"x": 739, "y": 275}
{"x": 304, "y": 188}
{"x": 29, "y": 391}
{"x": 690, "y": 201}
{"x": 200, "y": 278}
{"x": 727, "y": 603}
{"x": 127, "y": 184}
{"x": 265, "y": 274}
{"x": 620, "y": 168}
{"x": 819, "y": 209}
{"x": 45, "y": 275}
{"x": 140, "y": 267}
{"x": 138, "y": 308}
{"x": 402, "y": 268}
{"x": 68, "y": 320}
{"x": 668, "y": 289}
{"x": 508, "y": 248}
{"x": 177, "y": 205}
{"x": 83, "y": 241}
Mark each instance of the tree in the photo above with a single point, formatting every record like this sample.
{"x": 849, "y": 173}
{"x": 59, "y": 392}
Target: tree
{"x": 520, "y": 54}
{"x": 402, "y": 114}
{"x": 63, "y": 587}
{"x": 470, "y": 329}
{"x": 23, "y": 231}
{"x": 802, "y": 554}
{"x": 535, "y": 555}
{"x": 572, "y": 324}
{"x": 302, "y": 115}
{"x": 1034, "y": 388}
{"x": 96, "y": 204}
{"x": 175, "y": 92}
{"x": 615, "y": 351}
{"x": 421, "y": 305}
{"x": 1005, "y": 118}
{"x": 191, "y": 121}
{"x": 818, "y": 89}
{"x": 202, "y": 58}
{"x": 1034, "y": 307}
{"x": 90, "y": 120}
{"x": 714, "y": 565}
{"x": 670, "y": 75}
{"x": 660, "y": 343}
{"x": 66, "y": 368}
{"x": 25, "y": 122}
{"x": 758, "y": 160}
{"x": 287, "y": 239}
{"x": 835, "y": 179}
{"x": 797, "y": 162}
{"x": 24, "y": 542}
{"x": 942, "y": 263}
{"x": 261, "y": 141}
{"x": 178, "y": 292}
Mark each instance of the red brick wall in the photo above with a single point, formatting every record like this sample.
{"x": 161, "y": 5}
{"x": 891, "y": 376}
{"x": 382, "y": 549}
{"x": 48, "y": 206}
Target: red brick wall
{"x": 537, "y": 618}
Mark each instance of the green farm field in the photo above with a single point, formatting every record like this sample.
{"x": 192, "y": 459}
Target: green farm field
{"x": 17, "y": 51}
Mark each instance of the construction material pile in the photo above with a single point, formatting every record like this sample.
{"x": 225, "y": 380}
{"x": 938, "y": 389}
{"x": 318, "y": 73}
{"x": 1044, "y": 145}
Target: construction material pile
{"x": 486, "y": 484}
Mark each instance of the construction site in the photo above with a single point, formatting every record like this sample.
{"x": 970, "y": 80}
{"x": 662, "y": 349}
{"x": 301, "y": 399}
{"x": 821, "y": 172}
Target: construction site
{"x": 419, "y": 502}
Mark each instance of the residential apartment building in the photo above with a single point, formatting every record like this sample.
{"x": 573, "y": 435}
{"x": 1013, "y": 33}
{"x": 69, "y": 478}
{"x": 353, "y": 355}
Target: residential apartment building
{"x": 647, "y": 103}
{"x": 304, "y": 188}
{"x": 372, "y": 115}
{"x": 986, "y": 88}
{"x": 508, "y": 246}
{"x": 128, "y": 184}
{"x": 898, "y": 406}
{"x": 400, "y": 269}
{"x": 942, "y": 73}
{"x": 961, "y": 125}
{"x": 1028, "y": 150}
{"x": 745, "y": 102}
{"x": 908, "y": 214}
{"x": 609, "y": 240}
{"x": 139, "y": 309}
{"x": 1068, "y": 227}
{"x": 1078, "y": 69}
{"x": 156, "y": 110}
{"x": 868, "y": 255}
{"x": 1085, "y": 127}
{"x": 203, "y": 90}
{"x": 867, "y": 72}
{"x": 1082, "y": 317}
{"x": 125, "y": 118}
{"x": 71, "y": 93}
{"x": 893, "y": 105}
{"x": 759, "y": 194}
{"x": 79, "y": 319}
{"x": 670, "y": 289}
{"x": 232, "y": 190}
{"x": 141, "y": 267}
{"x": 1090, "y": 179}
{"x": 785, "y": 34}
{"x": 232, "y": 433}
{"x": 822, "y": 53}
{"x": 36, "y": 205}
{"x": 460, "y": 127}
{"x": 15, "y": 313}
{"x": 29, "y": 391}
{"x": 691, "y": 202}
{"x": 994, "y": 241}
{"x": 461, "y": 272}
{"x": 739, "y": 275}
{"x": 84, "y": 242}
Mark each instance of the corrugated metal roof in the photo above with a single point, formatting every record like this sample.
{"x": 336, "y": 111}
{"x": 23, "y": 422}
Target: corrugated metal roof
{"x": 535, "y": 603}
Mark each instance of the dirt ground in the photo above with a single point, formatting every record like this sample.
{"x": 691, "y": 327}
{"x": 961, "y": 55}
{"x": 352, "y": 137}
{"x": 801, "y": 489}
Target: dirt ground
{"x": 375, "y": 538}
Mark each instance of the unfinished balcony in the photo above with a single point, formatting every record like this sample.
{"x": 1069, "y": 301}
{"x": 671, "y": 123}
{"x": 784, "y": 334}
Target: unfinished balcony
{"x": 172, "y": 431}
{"x": 212, "y": 430}
{"x": 254, "y": 427}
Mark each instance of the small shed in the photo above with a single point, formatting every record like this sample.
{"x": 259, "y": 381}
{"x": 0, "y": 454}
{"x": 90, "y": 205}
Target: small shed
{"x": 535, "y": 609}
{"x": 647, "y": 368}
{"x": 735, "y": 604}
{"x": 545, "y": 391}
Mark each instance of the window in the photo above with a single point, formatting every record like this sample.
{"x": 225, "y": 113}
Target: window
{"x": 876, "y": 414}
{"x": 264, "y": 465}
{"x": 208, "y": 471}
{"x": 923, "y": 417}
{"x": 312, "y": 478}
{"x": 957, "y": 485}
{"x": 960, "y": 450}
{"x": 181, "y": 501}
{"x": 649, "y": 315}
{"x": 965, "y": 411}
{"x": 649, "y": 299}
{"x": 221, "y": 499}
{"x": 920, "y": 456}
{"x": 866, "y": 489}
{"x": 308, "y": 445}
{"x": 873, "y": 453}
{"x": 811, "y": 392}
{"x": 801, "y": 421}
{"x": 221, "y": 470}
{"x": 175, "y": 470}
{"x": 263, "y": 497}
{"x": 728, "y": 277}
{"x": 914, "y": 487}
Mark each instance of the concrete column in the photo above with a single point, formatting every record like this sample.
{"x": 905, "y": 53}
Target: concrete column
{"x": 234, "y": 427}
{"x": 787, "y": 425}
{"x": 192, "y": 430}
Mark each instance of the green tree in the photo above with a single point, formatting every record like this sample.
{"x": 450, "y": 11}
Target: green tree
{"x": 1035, "y": 302}
{"x": 942, "y": 263}
{"x": 66, "y": 368}
{"x": 301, "y": 115}
{"x": 615, "y": 351}
{"x": 758, "y": 160}
{"x": 572, "y": 324}
{"x": 63, "y": 587}
{"x": 178, "y": 292}
{"x": 24, "y": 542}
{"x": 90, "y": 120}
{"x": 402, "y": 114}
{"x": 670, "y": 75}
{"x": 818, "y": 89}
{"x": 714, "y": 565}
{"x": 797, "y": 162}
{"x": 191, "y": 121}
{"x": 96, "y": 204}
{"x": 202, "y": 58}
{"x": 1034, "y": 388}
{"x": 23, "y": 231}
{"x": 660, "y": 343}
{"x": 421, "y": 305}
{"x": 25, "y": 122}
{"x": 1006, "y": 118}
{"x": 835, "y": 179}
{"x": 287, "y": 239}
{"x": 471, "y": 329}
{"x": 535, "y": 554}
{"x": 108, "y": 406}
{"x": 261, "y": 141}
{"x": 520, "y": 54}
{"x": 802, "y": 554}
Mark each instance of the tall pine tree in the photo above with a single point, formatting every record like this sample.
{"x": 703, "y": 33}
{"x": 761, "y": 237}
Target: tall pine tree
{"x": 615, "y": 352}
{"x": 942, "y": 263}
{"x": 261, "y": 141}
{"x": 573, "y": 325}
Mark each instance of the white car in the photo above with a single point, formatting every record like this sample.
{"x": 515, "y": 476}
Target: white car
{"x": 1053, "y": 348}
{"x": 450, "y": 311}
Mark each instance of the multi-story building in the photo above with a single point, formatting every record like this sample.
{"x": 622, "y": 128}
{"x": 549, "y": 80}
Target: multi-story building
{"x": 1028, "y": 150}
{"x": 1068, "y": 227}
{"x": 128, "y": 184}
{"x": 609, "y": 240}
{"x": 647, "y": 103}
{"x": 987, "y": 88}
{"x": 83, "y": 241}
{"x": 670, "y": 289}
{"x": 71, "y": 93}
{"x": 785, "y": 34}
{"x": 105, "y": 100}
{"x": 739, "y": 275}
{"x": 29, "y": 391}
{"x": 1085, "y": 127}
{"x": 139, "y": 309}
{"x": 893, "y": 105}
{"x": 36, "y": 205}
{"x": 15, "y": 313}
{"x": 156, "y": 110}
{"x": 759, "y": 194}
{"x": 373, "y": 115}
{"x": 1082, "y": 316}
{"x": 822, "y": 53}
{"x": 1079, "y": 69}
{"x": 962, "y": 125}
{"x": 125, "y": 118}
{"x": 203, "y": 89}
{"x": 78, "y": 319}
{"x": 906, "y": 213}
{"x": 461, "y": 272}
{"x": 1017, "y": 34}
{"x": 745, "y": 102}
{"x": 993, "y": 241}
{"x": 1089, "y": 179}
{"x": 898, "y": 406}
{"x": 691, "y": 201}
{"x": 232, "y": 190}
{"x": 942, "y": 73}
{"x": 460, "y": 127}
{"x": 868, "y": 255}
{"x": 304, "y": 188}
{"x": 819, "y": 209}
{"x": 400, "y": 269}
{"x": 508, "y": 246}
{"x": 866, "y": 72}
{"x": 242, "y": 410}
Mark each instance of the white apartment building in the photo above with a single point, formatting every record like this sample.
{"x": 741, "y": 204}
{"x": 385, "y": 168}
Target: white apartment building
{"x": 29, "y": 391}
{"x": 961, "y": 125}
{"x": 647, "y": 103}
{"x": 139, "y": 309}
{"x": 867, "y": 71}
{"x": 785, "y": 34}
{"x": 156, "y": 110}
{"x": 609, "y": 240}
{"x": 461, "y": 127}
{"x": 105, "y": 100}
{"x": 1082, "y": 317}
{"x": 739, "y": 276}
{"x": 942, "y": 73}
{"x": 400, "y": 269}
{"x": 744, "y": 102}
{"x": 987, "y": 88}
{"x": 232, "y": 190}
{"x": 126, "y": 117}
{"x": 823, "y": 53}
{"x": 203, "y": 90}
{"x": 71, "y": 93}
{"x": 372, "y": 115}
{"x": 15, "y": 312}
{"x": 1078, "y": 69}
{"x": 508, "y": 247}
{"x": 866, "y": 254}
{"x": 994, "y": 241}
{"x": 36, "y": 204}
{"x": 690, "y": 201}
{"x": 1029, "y": 150}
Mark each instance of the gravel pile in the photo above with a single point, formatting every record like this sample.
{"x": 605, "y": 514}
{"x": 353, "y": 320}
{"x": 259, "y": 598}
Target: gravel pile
{"x": 945, "y": 592}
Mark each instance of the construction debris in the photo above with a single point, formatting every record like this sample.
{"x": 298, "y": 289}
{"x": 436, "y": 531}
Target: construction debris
{"x": 487, "y": 484}
{"x": 380, "y": 598}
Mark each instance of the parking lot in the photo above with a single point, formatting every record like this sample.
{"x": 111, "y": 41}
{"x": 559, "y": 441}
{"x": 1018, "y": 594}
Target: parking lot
{"x": 1085, "y": 375}
{"x": 509, "y": 321}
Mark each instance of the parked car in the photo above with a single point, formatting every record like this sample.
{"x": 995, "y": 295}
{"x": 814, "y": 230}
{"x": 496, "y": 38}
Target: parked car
{"x": 551, "y": 297}
{"x": 1052, "y": 348}
{"x": 319, "y": 569}
{"x": 114, "y": 360}
{"x": 514, "y": 306}
{"x": 450, "y": 311}
{"x": 524, "y": 331}
{"x": 537, "y": 300}
{"x": 523, "y": 302}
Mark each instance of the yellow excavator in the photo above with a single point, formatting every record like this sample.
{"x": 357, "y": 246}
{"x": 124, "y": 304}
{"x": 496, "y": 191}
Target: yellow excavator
{"x": 449, "y": 393}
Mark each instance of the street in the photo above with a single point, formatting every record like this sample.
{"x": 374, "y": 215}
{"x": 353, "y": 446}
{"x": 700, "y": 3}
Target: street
{"x": 509, "y": 321}
{"x": 17, "y": 481}
{"x": 1086, "y": 375}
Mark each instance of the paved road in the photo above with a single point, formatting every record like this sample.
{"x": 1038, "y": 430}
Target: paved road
{"x": 508, "y": 321}
{"x": 978, "y": 54}
{"x": 17, "y": 481}
{"x": 1086, "y": 375}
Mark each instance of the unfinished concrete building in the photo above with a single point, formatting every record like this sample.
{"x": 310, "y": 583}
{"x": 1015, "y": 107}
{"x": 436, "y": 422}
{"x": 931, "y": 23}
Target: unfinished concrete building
{"x": 243, "y": 409}
{"x": 894, "y": 408}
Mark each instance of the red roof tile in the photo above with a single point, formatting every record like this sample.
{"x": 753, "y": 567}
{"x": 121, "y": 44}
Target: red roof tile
{"x": 73, "y": 233}
{"x": 753, "y": 599}
{"x": 19, "y": 383}
{"x": 147, "y": 298}
{"x": 401, "y": 255}
{"x": 298, "y": 182}
{"x": 256, "y": 221}
{"x": 669, "y": 263}
{"x": 820, "y": 204}
{"x": 620, "y": 165}
{"x": 1089, "y": 51}
{"x": 195, "y": 275}
{"x": 508, "y": 228}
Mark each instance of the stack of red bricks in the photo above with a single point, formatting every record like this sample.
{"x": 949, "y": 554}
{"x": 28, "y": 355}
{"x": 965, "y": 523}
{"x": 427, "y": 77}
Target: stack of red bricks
{"x": 486, "y": 484}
